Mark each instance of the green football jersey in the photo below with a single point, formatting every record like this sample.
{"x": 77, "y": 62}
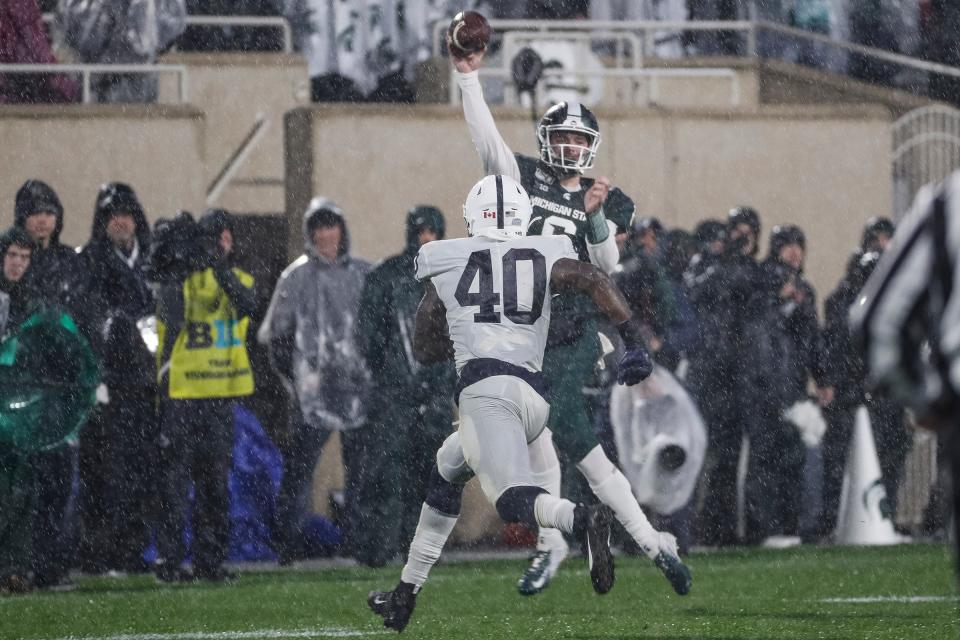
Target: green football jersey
{"x": 558, "y": 211}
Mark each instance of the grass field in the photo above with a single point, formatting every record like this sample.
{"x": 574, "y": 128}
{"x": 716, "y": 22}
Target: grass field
{"x": 822, "y": 593}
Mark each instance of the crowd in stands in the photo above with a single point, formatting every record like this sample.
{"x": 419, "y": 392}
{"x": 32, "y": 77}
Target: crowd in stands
{"x": 742, "y": 334}
{"x": 368, "y": 50}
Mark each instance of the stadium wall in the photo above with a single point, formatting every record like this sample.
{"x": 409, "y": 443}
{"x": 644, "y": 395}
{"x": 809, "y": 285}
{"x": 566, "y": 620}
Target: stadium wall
{"x": 232, "y": 90}
{"x": 158, "y": 149}
{"x": 826, "y": 168}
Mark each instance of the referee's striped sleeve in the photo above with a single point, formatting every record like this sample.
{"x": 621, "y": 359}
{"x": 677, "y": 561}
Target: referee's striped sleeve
{"x": 949, "y": 326}
{"x": 909, "y": 299}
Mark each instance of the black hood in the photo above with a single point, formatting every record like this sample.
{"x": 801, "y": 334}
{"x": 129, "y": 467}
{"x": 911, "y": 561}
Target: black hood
{"x": 420, "y": 217}
{"x": 13, "y": 235}
{"x": 36, "y": 196}
{"x": 117, "y": 196}
{"x": 216, "y": 221}
{"x": 783, "y": 235}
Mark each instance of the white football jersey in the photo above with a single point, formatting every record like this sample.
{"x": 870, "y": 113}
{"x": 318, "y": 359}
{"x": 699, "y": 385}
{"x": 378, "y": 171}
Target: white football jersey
{"x": 497, "y": 294}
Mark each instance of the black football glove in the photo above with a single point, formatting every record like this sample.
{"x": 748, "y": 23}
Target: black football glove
{"x": 635, "y": 364}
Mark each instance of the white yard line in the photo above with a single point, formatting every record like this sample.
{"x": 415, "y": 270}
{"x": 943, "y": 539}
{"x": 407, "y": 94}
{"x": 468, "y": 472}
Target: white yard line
{"x": 265, "y": 634}
{"x": 883, "y": 599}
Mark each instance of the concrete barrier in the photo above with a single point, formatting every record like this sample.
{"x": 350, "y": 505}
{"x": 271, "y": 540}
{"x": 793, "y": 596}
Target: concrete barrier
{"x": 826, "y": 168}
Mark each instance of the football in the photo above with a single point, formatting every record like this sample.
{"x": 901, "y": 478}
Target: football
{"x": 469, "y": 32}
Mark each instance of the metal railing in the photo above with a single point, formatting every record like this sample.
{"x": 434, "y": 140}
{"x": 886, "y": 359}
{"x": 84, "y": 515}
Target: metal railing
{"x": 88, "y": 70}
{"x": 850, "y": 47}
{"x": 926, "y": 148}
{"x": 276, "y": 22}
{"x": 236, "y": 160}
{"x": 748, "y": 30}
{"x": 644, "y": 28}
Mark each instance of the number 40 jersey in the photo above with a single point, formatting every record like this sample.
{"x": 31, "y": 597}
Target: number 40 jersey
{"x": 496, "y": 293}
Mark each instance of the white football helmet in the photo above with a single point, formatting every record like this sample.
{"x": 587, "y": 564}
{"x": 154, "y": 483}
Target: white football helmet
{"x": 497, "y": 207}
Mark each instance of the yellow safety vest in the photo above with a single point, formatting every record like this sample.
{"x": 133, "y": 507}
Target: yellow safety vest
{"x": 209, "y": 358}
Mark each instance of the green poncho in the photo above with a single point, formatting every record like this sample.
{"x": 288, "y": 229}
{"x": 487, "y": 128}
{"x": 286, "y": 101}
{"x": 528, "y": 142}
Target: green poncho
{"x": 48, "y": 381}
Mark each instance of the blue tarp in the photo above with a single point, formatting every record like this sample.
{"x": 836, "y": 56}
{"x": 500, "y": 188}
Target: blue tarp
{"x": 254, "y": 484}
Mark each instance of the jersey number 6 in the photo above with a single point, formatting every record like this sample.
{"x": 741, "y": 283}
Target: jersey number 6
{"x": 486, "y": 298}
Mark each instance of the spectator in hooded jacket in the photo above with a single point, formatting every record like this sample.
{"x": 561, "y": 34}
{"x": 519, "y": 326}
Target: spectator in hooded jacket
{"x": 16, "y": 246}
{"x": 643, "y": 281}
{"x": 846, "y": 371}
{"x": 411, "y": 413}
{"x": 310, "y": 329}
{"x": 721, "y": 286}
{"x": 54, "y": 279}
{"x": 788, "y": 247}
{"x": 204, "y": 367}
{"x": 117, "y": 452}
{"x": 783, "y": 352}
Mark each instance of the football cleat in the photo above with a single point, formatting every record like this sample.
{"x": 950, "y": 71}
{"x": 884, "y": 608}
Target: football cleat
{"x": 597, "y": 541}
{"x": 543, "y": 566}
{"x": 672, "y": 567}
{"x": 395, "y": 607}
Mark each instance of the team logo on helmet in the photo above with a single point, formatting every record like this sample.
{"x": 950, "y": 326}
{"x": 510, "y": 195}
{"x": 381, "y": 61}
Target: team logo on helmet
{"x": 557, "y": 149}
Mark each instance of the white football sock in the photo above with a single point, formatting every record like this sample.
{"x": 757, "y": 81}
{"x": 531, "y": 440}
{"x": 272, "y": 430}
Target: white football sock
{"x": 433, "y": 529}
{"x": 545, "y": 469}
{"x": 551, "y": 511}
{"x": 613, "y": 489}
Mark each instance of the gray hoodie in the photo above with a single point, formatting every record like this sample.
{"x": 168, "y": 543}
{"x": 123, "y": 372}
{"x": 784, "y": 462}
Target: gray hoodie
{"x": 310, "y": 327}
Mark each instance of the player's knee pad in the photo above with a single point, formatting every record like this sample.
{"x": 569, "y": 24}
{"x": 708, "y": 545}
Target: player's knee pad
{"x": 516, "y": 505}
{"x": 451, "y": 463}
{"x": 443, "y": 496}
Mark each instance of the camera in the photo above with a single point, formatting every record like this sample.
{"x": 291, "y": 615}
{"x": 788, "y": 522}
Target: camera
{"x": 179, "y": 247}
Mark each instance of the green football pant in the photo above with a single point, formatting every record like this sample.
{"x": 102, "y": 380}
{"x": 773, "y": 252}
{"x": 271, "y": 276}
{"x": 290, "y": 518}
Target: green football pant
{"x": 568, "y": 368}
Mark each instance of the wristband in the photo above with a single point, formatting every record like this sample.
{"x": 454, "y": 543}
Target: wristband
{"x": 631, "y": 333}
{"x": 597, "y": 229}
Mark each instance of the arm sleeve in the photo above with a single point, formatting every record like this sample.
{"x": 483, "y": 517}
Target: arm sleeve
{"x": 280, "y": 318}
{"x": 496, "y": 156}
{"x": 421, "y": 264}
{"x": 605, "y": 255}
{"x": 277, "y": 329}
{"x": 170, "y": 312}
{"x": 243, "y": 298}
{"x": 370, "y": 329}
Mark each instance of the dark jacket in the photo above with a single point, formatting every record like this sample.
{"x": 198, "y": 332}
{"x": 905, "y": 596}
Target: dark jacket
{"x": 721, "y": 288}
{"x": 845, "y": 369}
{"x": 56, "y": 272}
{"x": 384, "y": 328}
{"x": 116, "y": 294}
{"x": 803, "y": 327}
{"x": 782, "y": 339}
